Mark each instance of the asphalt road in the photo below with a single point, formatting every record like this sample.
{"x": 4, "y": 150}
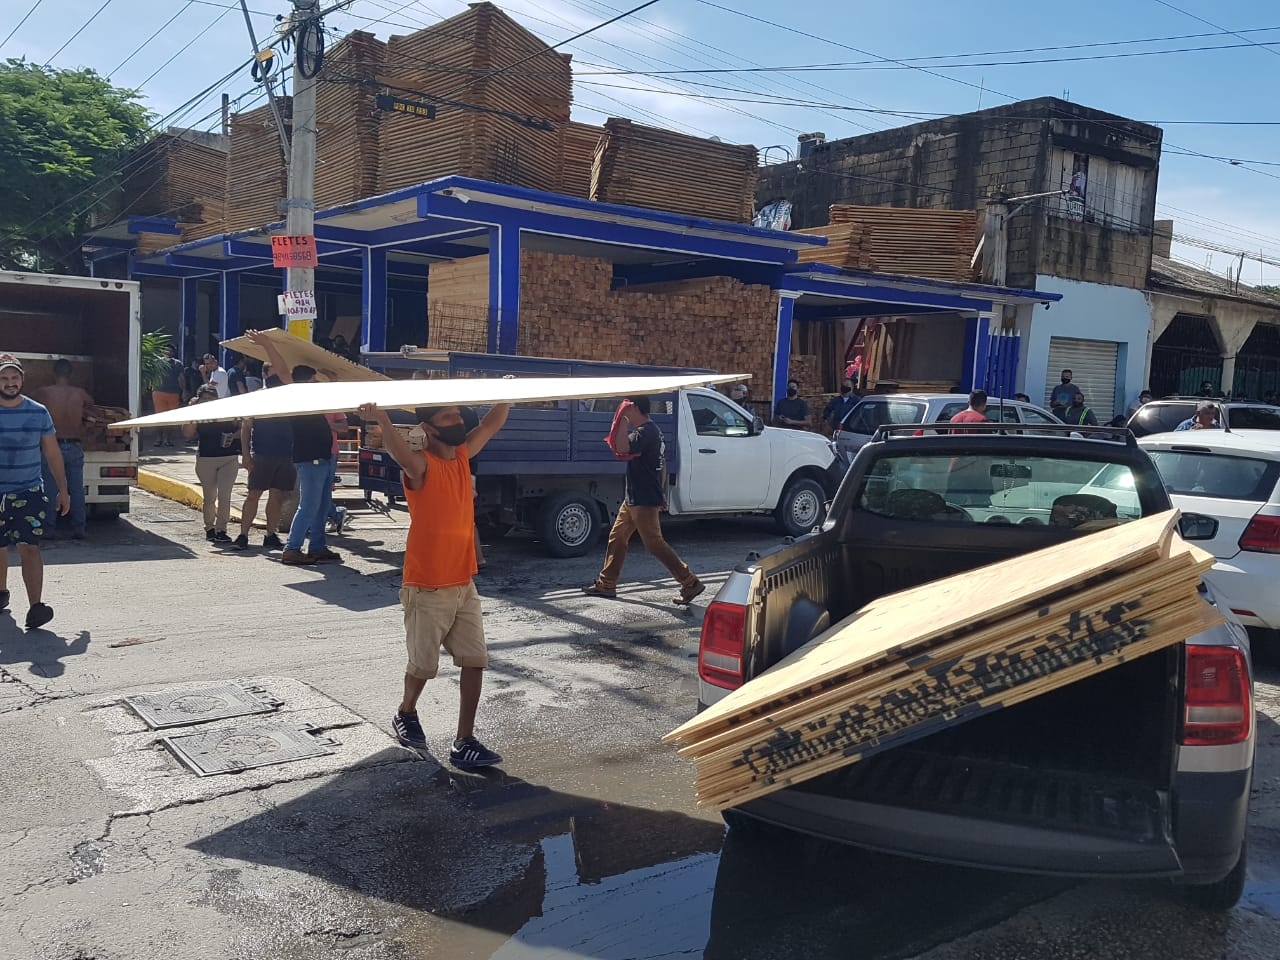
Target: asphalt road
{"x": 585, "y": 845}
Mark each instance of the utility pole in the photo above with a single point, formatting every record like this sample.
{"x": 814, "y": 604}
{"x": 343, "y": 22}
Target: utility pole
{"x": 300, "y": 205}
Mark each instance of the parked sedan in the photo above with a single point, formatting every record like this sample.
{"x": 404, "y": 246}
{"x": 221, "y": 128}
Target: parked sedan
{"x": 1162, "y": 416}
{"x": 1235, "y": 478}
{"x": 879, "y": 410}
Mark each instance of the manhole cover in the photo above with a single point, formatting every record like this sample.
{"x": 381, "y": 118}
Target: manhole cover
{"x": 184, "y": 706}
{"x": 240, "y": 748}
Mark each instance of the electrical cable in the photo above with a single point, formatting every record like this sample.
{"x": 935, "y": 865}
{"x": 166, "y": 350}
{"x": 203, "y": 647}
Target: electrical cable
{"x": 25, "y": 18}
{"x": 185, "y": 47}
{"x": 84, "y": 26}
{"x": 310, "y": 56}
{"x": 1216, "y": 26}
{"x": 181, "y": 10}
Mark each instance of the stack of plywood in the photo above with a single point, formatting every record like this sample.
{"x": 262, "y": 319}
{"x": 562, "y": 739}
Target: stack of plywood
{"x": 476, "y": 135}
{"x": 347, "y": 121}
{"x": 914, "y": 662}
{"x": 662, "y": 170}
{"x": 937, "y": 244}
{"x": 256, "y": 174}
{"x": 843, "y": 249}
{"x": 579, "y": 141}
{"x": 568, "y": 308}
{"x": 179, "y": 175}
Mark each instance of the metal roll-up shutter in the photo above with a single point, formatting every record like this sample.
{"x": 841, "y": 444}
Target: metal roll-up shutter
{"x": 1093, "y": 366}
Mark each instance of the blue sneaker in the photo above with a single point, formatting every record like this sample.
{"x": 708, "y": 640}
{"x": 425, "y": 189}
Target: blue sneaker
{"x": 470, "y": 754}
{"x": 409, "y": 730}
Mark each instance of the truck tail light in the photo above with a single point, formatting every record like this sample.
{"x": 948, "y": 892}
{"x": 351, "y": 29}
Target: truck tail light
{"x": 1219, "y": 703}
{"x": 720, "y": 651}
{"x": 130, "y": 473}
{"x": 1262, "y": 535}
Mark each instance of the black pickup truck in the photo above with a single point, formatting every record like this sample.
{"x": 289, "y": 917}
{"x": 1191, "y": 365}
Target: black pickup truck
{"x": 1141, "y": 771}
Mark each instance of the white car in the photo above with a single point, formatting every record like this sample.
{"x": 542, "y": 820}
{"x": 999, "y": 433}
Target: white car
{"x": 1232, "y": 477}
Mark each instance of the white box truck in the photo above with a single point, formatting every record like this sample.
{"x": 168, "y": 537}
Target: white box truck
{"x": 95, "y": 324}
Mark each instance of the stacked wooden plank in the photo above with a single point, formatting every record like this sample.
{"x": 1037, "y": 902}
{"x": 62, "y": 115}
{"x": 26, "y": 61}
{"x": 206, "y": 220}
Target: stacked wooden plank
{"x": 663, "y": 170}
{"x": 347, "y": 120}
{"x": 257, "y": 178}
{"x": 578, "y": 145}
{"x": 937, "y": 244}
{"x": 914, "y": 662}
{"x": 96, "y": 437}
{"x": 843, "y": 249}
{"x": 477, "y": 135}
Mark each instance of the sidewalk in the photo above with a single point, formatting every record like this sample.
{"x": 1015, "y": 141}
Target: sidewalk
{"x": 171, "y": 473}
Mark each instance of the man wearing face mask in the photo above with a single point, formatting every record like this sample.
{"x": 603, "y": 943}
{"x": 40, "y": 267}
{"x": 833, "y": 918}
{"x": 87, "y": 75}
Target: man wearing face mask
{"x": 791, "y": 411}
{"x": 838, "y": 408}
{"x": 441, "y": 605}
{"x": 1063, "y": 396}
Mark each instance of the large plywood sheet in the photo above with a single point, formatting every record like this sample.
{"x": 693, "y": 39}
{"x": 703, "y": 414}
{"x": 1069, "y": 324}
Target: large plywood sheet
{"x": 342, "y": 397}
{"x": 329, "y": 366}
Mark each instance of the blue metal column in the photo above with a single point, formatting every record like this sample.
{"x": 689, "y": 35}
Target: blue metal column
{"x": 188, "y": 306}
{"x": 782, "y": 348}
{"x": 229, "y": 306}
{"x": 504, "y": 289}
{"x": 373, "y": 293}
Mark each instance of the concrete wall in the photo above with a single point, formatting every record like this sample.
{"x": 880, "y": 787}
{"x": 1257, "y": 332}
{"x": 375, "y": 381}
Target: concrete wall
{"x": 1088, "y": 311}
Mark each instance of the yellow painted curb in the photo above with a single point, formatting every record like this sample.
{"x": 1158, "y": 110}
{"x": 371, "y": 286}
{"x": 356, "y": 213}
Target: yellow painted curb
{"x": 176, "y": 490}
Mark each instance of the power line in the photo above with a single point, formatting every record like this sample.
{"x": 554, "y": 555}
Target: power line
{"x": 9, "y": 35}
{"x": 181, "y": 10}
{"x": 1216, "y": 26}
{"x": 84, "y": 26}
{"x": 186, "y": 46}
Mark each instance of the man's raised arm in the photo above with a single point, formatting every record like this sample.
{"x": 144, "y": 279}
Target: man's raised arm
{"x": 493, "y": 421}
{"x": 412, "y": 463}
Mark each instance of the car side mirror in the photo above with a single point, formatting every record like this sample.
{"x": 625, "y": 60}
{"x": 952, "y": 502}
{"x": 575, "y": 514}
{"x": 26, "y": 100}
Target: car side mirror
{"x": 1197, "y": 526}
{"x": 757, "y": 427}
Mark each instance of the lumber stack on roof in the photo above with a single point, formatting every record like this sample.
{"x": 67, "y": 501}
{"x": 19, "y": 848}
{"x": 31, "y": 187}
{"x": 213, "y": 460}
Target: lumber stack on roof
{"x": 347, "y": 120}
{"x": 938, "y": 244}
{"x": 663, "y": 170}
{"x": 843, "y": 249}
{"x": 478, "y": 134}
{"x": 579, "y": 141}
{"x": 911, "y": 663}
{"x": 256, "y": 174}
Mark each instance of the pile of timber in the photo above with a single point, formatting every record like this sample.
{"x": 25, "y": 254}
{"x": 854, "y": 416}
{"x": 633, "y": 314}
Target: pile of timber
{"x": 914, "y": 662}
{"x": 347, "y": 120}
{"x": 578, "y": 145}
{"x": 96, "y": 437}
{"x": 479, "y": 133}
{"x": 917, "y": 242}
{"x": 257, "y": 178}
{"x": 662, "y": 170}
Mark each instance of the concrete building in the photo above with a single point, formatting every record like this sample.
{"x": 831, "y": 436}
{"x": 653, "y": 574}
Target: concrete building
{"x": 1092, "y": 243}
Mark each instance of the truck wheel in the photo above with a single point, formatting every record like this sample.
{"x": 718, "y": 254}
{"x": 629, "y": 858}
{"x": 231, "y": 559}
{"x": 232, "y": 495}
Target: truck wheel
{"x": 801, "y": 507}
{"x": 1223, "y": 895}
{"x": 100, "y": 514}
{"x": 569, "y": 524}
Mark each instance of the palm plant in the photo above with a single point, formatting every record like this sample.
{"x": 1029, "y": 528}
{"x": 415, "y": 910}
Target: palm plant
{"x": 153, "y": 368}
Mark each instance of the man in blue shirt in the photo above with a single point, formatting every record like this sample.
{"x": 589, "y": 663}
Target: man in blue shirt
{"x": 26, "y": 432}
{"x": 838, "y": 407}
{"x": 1206, "y": 418}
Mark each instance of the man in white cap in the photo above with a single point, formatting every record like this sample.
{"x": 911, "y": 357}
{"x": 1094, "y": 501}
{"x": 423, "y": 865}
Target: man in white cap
{"x": 26, "y": 432}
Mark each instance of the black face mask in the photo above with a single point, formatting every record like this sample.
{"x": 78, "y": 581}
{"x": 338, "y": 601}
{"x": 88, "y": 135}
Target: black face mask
{"x": 846, "y": 390}
{"x": 792, "y": 392}
{"x": 454, "y": 435}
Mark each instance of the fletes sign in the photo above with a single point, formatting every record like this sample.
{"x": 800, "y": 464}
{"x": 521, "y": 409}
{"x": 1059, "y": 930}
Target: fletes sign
{"x": 294, "y": 252}
{"x": 297, "y": 304}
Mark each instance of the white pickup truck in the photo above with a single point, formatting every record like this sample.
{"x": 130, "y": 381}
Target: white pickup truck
{"x": 549, "y": 470}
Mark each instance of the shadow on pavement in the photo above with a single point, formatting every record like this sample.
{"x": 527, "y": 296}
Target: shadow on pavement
{"x": 142, "y": 545}
{"x": 42, "y": 651}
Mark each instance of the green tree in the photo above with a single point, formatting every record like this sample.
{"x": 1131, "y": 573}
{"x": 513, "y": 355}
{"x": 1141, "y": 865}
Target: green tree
{"x": 63, "y": 134}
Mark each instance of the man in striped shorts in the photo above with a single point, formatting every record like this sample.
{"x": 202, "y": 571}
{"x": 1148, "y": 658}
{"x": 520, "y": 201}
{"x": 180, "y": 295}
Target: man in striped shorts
{"x": 26, "y": 431}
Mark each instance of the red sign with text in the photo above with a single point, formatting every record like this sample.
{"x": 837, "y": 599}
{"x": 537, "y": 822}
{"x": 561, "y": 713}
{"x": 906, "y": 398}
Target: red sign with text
{"x": 294, "y": 252}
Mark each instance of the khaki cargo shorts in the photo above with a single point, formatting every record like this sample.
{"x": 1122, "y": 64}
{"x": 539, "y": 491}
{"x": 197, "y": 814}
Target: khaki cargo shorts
{"x": 446, "y": 617}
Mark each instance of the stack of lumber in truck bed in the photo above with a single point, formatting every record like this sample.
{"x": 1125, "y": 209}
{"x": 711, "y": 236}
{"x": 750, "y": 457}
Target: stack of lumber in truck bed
{"x": 96, "y": 436}
{"x": 661, "y": 170}
{"x": 478, "y": 133}
{"x": 938, "y": 244}
{"x": 914, "y": 662}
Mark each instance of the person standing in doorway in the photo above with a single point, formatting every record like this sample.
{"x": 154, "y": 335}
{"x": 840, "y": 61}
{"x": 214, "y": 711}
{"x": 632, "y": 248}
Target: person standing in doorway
{"x": 168, "y": 393}
{"x": 791, "y": 411}
{"x": 65, "y": 403}
{"x": 637, "y": 439}
{"x": 217, "y": 463}
{"x": 26, "y": 434}
{"x": 1063, "y": 396}
{"x": 214, "y": 374}
{"x": 441, "y": 604}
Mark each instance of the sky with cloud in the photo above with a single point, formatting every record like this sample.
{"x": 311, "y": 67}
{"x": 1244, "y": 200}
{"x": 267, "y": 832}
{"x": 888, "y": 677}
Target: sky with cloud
{"x": 1203, "y": 70}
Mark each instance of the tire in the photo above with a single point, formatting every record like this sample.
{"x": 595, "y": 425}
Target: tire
{"x": 100, "y": 514}
{"x": 1223, "y": 895}
{"x": 569, "y": 524}
{"x": 802, "y": 507}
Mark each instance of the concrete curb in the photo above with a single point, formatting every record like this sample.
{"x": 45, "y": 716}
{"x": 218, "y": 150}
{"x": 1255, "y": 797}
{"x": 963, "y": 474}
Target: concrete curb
{"x": 178, "y": 491}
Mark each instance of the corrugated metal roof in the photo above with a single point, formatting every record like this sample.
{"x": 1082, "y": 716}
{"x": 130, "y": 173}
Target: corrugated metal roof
{"x": 1166, "y": 273}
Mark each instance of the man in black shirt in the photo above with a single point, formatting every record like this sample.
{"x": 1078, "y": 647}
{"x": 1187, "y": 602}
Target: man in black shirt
{"x": 791, "y": 411}
{"x": 637, "y": 439}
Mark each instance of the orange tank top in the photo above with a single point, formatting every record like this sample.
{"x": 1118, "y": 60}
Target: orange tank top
{"x": 441, "y": 549}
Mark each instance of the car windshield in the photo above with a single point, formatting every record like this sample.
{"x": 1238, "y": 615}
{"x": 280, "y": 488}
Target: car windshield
{"x": 871, "y": 414}
{"x": 990, "y": 488}
{"x": 1253, "y": 418}
{"x": 1205, "y": 474}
